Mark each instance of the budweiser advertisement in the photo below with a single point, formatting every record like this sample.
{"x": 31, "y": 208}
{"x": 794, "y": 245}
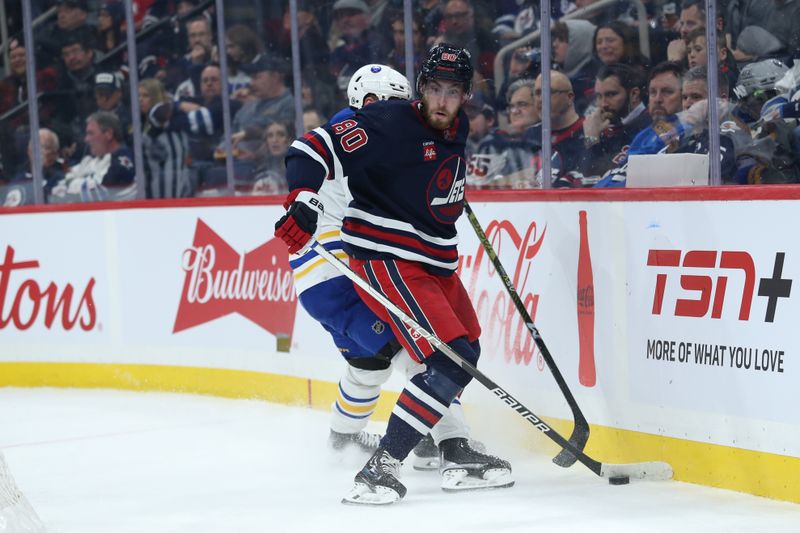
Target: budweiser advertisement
{"x": 218, "y": 281}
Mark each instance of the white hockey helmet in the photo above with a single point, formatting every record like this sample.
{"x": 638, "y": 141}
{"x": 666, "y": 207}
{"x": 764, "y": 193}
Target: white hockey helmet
{"x": 382, "y": 81}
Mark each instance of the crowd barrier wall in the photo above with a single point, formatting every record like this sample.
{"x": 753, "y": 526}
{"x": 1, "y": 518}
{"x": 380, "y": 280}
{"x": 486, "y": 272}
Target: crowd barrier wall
{"x": 670, "y": 313}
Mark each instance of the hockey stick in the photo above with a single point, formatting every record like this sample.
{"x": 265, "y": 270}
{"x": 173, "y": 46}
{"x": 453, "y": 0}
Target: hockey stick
{"x": 580, "y": 431}
{"x": 648, "y": 470}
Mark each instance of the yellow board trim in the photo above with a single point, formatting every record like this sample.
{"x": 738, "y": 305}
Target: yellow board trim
{"x": 762, "y": 474}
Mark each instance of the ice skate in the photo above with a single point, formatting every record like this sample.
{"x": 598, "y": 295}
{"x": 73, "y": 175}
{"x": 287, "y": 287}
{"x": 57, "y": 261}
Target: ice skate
{"x": 464, "y": 468}
{"x": 377, "y": 483}
{"x": 425, "y": 455}
{"x": 363, "y": 441}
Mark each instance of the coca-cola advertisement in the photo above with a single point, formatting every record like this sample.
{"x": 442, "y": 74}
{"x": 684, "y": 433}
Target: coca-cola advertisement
{"x": 504, "y": 332}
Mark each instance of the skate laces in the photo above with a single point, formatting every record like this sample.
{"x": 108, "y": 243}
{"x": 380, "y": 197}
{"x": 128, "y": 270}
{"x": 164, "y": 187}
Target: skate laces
{"x": 388, "y": 464}
{"x": 368, "y": 440}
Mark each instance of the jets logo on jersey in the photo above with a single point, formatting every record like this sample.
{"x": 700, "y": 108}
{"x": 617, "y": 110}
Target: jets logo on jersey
{"x": 125, "y": 162}
{"x": 446, "y": 190}
{"x": 428, "y": 151}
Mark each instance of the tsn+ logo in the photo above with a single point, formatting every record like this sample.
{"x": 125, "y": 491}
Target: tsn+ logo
{"x": 715, "y": 267}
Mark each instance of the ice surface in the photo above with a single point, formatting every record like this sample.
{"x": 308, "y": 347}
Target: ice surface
{"x": 95, "y": 461}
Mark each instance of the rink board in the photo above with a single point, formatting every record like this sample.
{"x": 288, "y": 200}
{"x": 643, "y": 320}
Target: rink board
{"x": 693, "y": 347}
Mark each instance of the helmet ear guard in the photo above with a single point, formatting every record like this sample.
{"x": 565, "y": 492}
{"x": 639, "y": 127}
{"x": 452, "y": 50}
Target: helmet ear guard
{"x": 446, "y": 62}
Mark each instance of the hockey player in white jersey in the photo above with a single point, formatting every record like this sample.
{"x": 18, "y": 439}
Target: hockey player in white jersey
{"x": 364, "y": 340}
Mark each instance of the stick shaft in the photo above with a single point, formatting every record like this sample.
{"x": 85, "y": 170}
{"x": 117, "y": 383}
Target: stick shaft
{"x": 580, "y": 433}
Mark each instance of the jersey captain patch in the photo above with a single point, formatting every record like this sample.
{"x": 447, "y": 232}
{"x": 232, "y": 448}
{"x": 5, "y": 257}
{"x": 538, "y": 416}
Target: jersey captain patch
{"x": 446, "y": 190}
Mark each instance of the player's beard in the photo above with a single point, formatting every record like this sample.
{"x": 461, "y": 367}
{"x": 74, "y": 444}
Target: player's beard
{"x": 435, "y": 120}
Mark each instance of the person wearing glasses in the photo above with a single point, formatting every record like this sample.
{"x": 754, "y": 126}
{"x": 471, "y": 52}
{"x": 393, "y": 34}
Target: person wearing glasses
{"x": 503, "y": 157}
{"x": 566, "y": 133}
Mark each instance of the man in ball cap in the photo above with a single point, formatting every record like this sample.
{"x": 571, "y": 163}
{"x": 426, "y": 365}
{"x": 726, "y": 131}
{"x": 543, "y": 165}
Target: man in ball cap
{"x": 269, "y": 97}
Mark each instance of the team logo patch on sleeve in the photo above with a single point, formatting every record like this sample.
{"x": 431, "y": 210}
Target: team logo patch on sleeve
{"x": 125, "y": 161}
{"x": 428, "y": 151}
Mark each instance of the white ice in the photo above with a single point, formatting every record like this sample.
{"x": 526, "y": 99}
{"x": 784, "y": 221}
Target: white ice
{"x": 95, "y": 461}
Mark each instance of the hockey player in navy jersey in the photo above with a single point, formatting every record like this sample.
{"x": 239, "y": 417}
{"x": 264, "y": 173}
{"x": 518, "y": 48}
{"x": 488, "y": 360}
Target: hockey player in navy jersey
{"x": 403, "y": 164}
{"x": 364, "y": 340}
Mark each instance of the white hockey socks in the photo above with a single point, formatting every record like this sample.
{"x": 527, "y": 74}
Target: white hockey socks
{"x": 359, "y": 391}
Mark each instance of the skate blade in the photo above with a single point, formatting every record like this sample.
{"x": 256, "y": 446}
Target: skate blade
{"x": 425, "y": 463}
{"x": 362, "y": 494}
{"x": 459, "y": 480}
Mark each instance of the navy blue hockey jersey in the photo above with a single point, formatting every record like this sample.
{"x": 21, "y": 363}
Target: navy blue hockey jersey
{"x": 405, "y": 181}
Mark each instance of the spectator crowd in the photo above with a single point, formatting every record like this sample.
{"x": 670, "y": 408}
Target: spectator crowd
{"x": 609, "y": 100}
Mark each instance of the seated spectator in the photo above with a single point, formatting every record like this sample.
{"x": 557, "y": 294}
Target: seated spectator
{"x": 71, "y": 24}
{"x": 734, "y": 137}
{"x": 697, "y": 57}
{"x": 356, "y": 43}
{"x": 461, "y": 30}
{"x": 108, "y": 96}
{"x": 572, "y": 55}
{"x": 268, "y": 98}
{"x": 164, "y": 143}
{"x": 523, "y": 63}
{"x": 107, "y": 173}
{"x": 692, "y": 17}
{"x": 502, "y": 159}
{"x": 482, "y": 122}
{"x": 110, "y": 27}
{"x": 618, "y": 116}
{"x": 201, "y": 51}
{"x": 664, "y": 102}
{"x": 242, "y": 46}
{"x": 270, "y": 174}
{"x": 76, "y": 84}
{"x": 616, "y": 42}
{"x": 397, "y": 55}
{"x": 20, "y": 191}
{"x": 14, "y": 94}
{"x": 202, "y": 119}
{"x": 566, "y": 134}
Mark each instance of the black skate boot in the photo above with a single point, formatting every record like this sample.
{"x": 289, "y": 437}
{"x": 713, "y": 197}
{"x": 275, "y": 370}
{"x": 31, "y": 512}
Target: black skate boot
{"x": 363, "y": 441}
{"x": 426, "y": 454}
{"x": 377, "y": 483}
{"x": 464, "y": 468}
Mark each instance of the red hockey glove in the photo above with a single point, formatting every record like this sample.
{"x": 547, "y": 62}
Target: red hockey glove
{"x": 297, "y": 227}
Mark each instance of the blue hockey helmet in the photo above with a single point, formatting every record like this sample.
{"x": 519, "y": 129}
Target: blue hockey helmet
{"x": 446, "y": 62}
